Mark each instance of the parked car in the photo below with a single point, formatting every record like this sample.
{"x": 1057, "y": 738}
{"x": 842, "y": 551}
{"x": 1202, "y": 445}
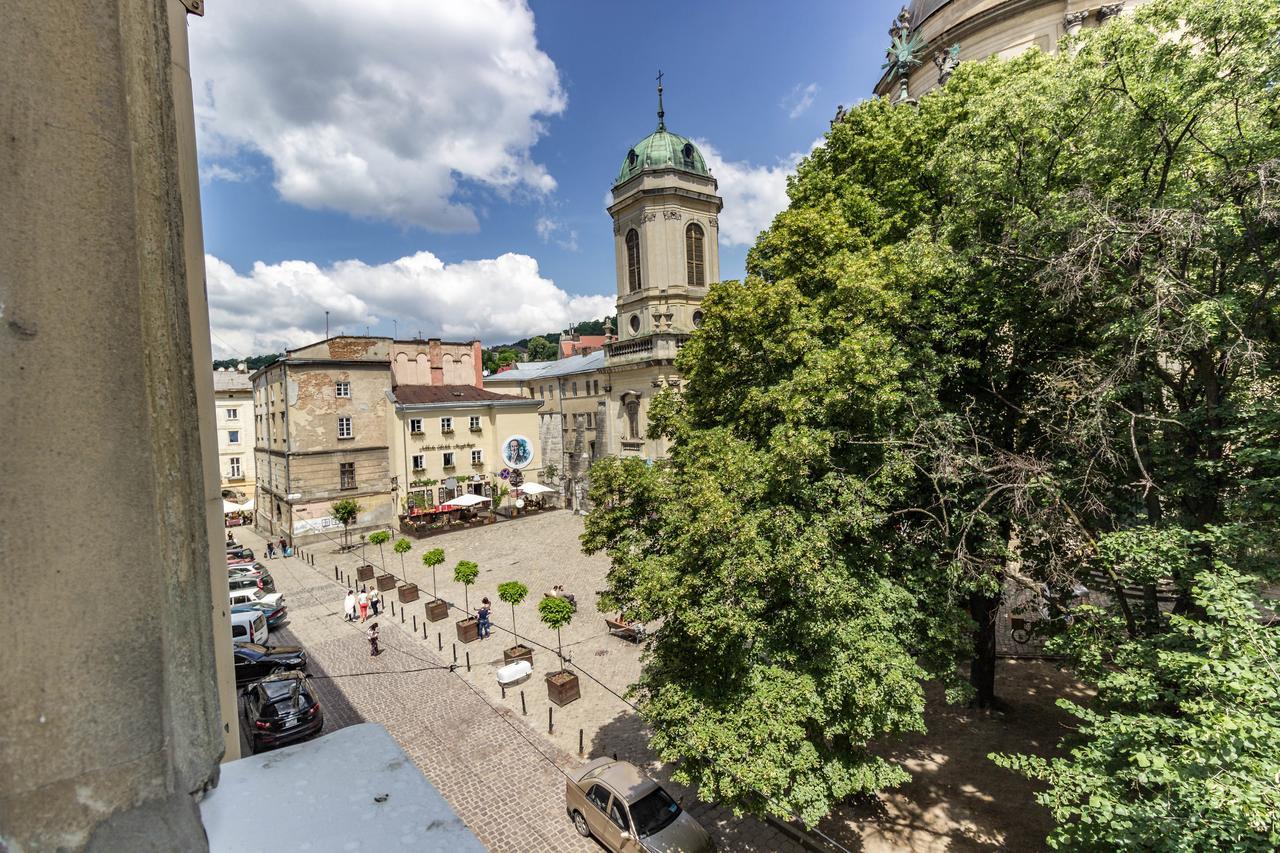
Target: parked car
{"x": 275, "y": 613}
{"x": 281, "y": 708}
{"x": 627, "y": 812}
{"x": 249, "y": 627}
{"x": 239, "y": 553}
{"x": 248, "y": 595}
{"x": 254, "y": 660}
{"x": 261, "y": 580}
{"x": 252, "y": 567}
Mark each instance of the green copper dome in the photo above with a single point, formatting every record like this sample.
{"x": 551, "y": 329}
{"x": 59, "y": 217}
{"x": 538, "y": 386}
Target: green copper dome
{"x": 662, "y": 150}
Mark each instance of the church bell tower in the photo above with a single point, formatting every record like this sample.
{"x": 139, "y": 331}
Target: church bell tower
{"x": 665, "y": 227}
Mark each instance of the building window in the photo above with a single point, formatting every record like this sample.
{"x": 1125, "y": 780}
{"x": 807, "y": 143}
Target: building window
{"x": 446, "y": 424}
{"x": 697, "y": 319}
{"x": 634, "y": 323}
{"x": 448, "y": 459}
{"x": 475, "y": 423}
{"x": 346, "y": 475}
{"x": 342, "y": 389}
{"x": 415, "y": 425}
{"x": 233, "y": 414}
{"x": 344, "y": 427}
{"x": 477, "y": 457}
{"x": 419, "y": 461}
{"x": 233, "y": 436}
{"x": 633, "y": 260}
{"x": 234, "y": 463}
{"x": 575, "y": 389}
{"x": 695, "y": 261}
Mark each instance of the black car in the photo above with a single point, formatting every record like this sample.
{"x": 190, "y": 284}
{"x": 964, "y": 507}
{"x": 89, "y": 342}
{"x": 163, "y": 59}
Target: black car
{"x": 238, "y": 553}
{"x": 255, "y": 661}
{"x": 281, "y": 708}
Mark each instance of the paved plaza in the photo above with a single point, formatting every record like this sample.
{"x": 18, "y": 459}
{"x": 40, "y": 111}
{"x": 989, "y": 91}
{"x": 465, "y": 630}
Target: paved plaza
{"x": 500, "y": 769}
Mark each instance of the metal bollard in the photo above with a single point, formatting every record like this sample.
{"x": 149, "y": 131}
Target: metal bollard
{"x": 504, "y": 690}
{"x": 524, "y": 710}
{"x": 551, "y": 726}
{"x": 455, "y": 652}
{"x": 439, "y": 642}
{"x": 579, "y": 743}
{"x": 468, "y": 661}
{"x": 424, "y": 630}
{"x": 393, "y": 607}
{"x": 415, "y": 622}
{"x": 401, "y": 615}
{"x": 336, "y": 576}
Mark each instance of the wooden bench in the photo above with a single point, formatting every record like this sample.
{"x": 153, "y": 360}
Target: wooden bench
{"x": 633, "y": 633}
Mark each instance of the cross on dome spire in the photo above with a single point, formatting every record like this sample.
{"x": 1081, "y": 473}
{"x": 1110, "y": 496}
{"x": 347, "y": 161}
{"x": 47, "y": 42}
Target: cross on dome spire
{"x": 662, "y": 125}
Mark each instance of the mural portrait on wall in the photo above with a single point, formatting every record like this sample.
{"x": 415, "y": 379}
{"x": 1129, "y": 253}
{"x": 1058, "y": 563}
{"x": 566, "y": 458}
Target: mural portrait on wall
{"x": 517, "y": 452}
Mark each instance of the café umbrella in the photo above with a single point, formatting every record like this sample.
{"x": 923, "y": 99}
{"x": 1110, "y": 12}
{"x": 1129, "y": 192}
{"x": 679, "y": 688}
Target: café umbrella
{"x": 462, "y": 501}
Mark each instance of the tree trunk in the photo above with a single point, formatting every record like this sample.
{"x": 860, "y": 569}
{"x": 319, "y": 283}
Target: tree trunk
{"x": 982, "y": 669}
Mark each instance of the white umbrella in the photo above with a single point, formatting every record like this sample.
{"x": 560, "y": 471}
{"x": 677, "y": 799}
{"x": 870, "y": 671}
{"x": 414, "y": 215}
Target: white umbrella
{"x": 535, "y": 489}
{"x": 466, "y": 500}
{"x": 228, "y": 506}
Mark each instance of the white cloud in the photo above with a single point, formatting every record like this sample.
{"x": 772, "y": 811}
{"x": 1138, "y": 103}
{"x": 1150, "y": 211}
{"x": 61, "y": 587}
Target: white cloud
{"x": 210, "y": 172}
{"x": 552, "y": 229}
{"x": 752, "y": 195}
{"x": 277, "y": 306}
{"x": 378, "y": 108}
{"x": 799, "y": 99}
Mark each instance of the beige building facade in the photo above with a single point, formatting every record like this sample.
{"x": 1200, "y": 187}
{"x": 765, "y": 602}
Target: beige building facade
{"x": 449, "y": 440}
{"x": 234, "y": 414}
{"x": 931, "y": 38}
{"x": 370, "y": 419}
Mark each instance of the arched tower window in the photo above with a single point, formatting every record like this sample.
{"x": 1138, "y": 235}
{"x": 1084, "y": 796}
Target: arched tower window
{"x": 633, "y": 260}
{"x": 695, "y": 259}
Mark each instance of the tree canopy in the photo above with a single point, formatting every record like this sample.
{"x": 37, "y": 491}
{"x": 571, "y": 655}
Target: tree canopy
{"x": 1020, "y": 333}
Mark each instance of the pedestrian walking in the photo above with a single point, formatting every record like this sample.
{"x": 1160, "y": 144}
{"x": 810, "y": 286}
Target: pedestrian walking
{"x": 482, "y": 621}
{"x": 269, "y": 550}
{"x": 373, "y": 640}
{"x": 283, "y": 546}
{"x": 363, "y": 600}
{"x": 349, "y": 606}
{"x": 375, "y": 601}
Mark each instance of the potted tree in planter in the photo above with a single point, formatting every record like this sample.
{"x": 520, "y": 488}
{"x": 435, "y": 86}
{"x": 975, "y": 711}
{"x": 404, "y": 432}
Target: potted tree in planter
{"x": 514, "y": 592}
{"x": 386, "y": 580}
{"x": 345, "y": 512}
{"x": 437, "y": 609}
{"x": 402, "y": 547}
{"x": 562, "y": 685}
{"x": 365, "y": 571}
{"x": 466, "y": 573}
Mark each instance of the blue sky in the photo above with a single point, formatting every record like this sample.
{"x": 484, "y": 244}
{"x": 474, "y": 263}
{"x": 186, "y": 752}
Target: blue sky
{"x": 445, "y": 164}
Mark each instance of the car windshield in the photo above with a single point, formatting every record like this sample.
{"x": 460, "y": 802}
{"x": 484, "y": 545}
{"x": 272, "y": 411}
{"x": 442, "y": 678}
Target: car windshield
{"x": 654, "y": 812}
{"x": 254, "y": 647}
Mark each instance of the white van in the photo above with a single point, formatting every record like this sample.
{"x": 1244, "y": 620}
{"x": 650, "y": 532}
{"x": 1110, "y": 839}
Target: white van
{"x": 249, "y": 627}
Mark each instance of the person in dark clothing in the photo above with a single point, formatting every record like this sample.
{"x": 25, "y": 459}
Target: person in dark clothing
{"x": 482, "y": 619}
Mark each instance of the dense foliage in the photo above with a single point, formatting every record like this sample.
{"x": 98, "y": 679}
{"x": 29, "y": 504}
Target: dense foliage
{"x": 1023, "y": 332}
{"x": 253, "y": 362}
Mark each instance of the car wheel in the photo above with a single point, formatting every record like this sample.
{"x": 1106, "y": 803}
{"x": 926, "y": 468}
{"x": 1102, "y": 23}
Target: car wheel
{"x": 580, "y": 824}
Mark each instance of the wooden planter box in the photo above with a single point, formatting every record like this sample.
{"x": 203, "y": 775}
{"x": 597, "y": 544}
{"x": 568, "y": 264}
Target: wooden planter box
{"x": 516, "y": 653}
{"x": 408, "y": 593}
{"x": 437, "y": 610}
{"x": 562, "y": 687}
{"x": 468, "y": 629}
{"x": 364, "y": 573}
{"x": 386, "y": 582}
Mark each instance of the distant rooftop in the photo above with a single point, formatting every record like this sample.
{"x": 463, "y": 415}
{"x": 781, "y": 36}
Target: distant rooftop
{"x": 419, "y": 394}
{"x": 231, "y": 380}
{"x": 535, "y": 370}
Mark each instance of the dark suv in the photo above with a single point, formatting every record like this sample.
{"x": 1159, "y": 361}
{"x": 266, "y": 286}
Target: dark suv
{"x": 281, "y": 708}
{"x": 252, "y": 580}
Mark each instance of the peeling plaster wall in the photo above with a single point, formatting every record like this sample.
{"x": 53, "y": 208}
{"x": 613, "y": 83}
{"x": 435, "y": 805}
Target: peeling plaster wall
{"x": 436, "y": 362}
